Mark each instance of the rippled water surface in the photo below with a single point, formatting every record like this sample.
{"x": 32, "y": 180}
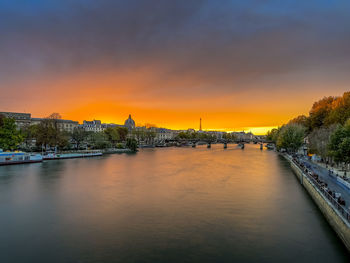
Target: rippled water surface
{"x": 163, "y": 205}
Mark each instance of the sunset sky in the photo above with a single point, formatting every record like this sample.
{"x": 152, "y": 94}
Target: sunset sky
{"x": 236, "y": 64}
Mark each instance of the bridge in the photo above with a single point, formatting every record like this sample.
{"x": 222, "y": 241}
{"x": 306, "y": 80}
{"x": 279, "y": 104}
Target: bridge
{"x": 195, "y": 142}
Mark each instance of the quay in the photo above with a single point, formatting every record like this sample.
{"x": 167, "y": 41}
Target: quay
{"x": 335, "y": 214}
{"x": 57, "y": 156}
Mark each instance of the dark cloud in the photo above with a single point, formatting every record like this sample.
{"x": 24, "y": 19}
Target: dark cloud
{"x": 212, "y": 43}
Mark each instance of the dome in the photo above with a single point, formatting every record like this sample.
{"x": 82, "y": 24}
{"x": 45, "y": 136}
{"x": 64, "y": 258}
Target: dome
{"x": 129, "y": 123}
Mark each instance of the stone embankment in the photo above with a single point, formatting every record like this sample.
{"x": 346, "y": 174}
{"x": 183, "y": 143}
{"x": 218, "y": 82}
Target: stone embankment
{"x": 336, "y": 215}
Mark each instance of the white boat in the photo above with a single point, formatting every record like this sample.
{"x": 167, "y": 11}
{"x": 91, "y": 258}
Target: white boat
{"x": 8, "y": 158}
{"x": 56, "y": 156}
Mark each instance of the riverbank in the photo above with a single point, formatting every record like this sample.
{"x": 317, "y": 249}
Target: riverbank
{"x": 333, "y": 212}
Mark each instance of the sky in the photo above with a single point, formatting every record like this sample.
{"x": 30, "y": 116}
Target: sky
{"x": 238, "y": 65}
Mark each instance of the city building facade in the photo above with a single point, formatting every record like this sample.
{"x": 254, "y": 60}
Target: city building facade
{"x": 93, "y": 126}
{"x": 22, "y": 119}
{"x": 62, "y": 125}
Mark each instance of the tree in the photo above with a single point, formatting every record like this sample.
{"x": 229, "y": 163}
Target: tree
{"x": 344, "y": 150}
{"x": 10, "y": 137}
{"x": 131, "y": 144}
{"x": 182, "y": 135}
{"x": 28, "y": 133}
{"x": 150, "y": 134}
{"x": 340, "y": 110}
{"x": 48, "y": 133}
{"x": 139, "y": 134}
{"x": 112, "y": 135}
{"x": 291, "y": 137}
{"x": 98, "y": 140}
{"x": 273, "y": 134}
{"x": 79, "y": 135}
{"x": 320, "y": 112}
{"x": 123, "y": 133}
{"x": 232, "y": 137}
{"x": 54, "y": 116}
{"x": 339, "y": 145}
{"x": 319, "y": 140}
{"x": 302, "y": 120}
{"x": 2, "y": 117}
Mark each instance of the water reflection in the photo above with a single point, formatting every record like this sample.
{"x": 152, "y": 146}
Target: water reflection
{"x": 163, "y": 205}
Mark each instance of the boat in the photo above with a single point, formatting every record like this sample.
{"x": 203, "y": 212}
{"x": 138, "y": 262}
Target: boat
{"x": 270, "y": 146}
{"x": 241, "y": 145}
{"x": 146, "y": 146}
{"x": 8, "y": 158}
{"x": 57, "y": 156}
{"x": 160, "y": 145}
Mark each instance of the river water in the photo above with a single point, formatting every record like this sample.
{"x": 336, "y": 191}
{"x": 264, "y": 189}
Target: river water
{"x": 163, "y": 205}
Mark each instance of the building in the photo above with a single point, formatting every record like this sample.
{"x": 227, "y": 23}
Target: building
{"x": 63, "y": 125}
{"x": 242, "y": 136}
{"x": 93, "y": 126}
{"x": 98, "y": 126}
{"x": 129, "y": 123}
{"x": 163, "y": 134}
{"x": 21, "y": 119}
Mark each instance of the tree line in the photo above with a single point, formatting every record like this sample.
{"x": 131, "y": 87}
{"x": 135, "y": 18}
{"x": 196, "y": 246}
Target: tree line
{"x": 326, "y": 129}
{"x": 48, "y": 136}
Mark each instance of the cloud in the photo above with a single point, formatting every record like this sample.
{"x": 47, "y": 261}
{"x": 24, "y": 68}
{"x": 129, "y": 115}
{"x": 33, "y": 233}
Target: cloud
{"x": 198, "y": 48}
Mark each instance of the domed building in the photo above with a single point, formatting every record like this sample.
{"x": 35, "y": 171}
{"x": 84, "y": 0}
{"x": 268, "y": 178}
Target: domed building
{"x": 129, "y": 123}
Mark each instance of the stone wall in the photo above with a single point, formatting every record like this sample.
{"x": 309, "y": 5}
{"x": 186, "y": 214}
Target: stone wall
{"x": 338, "y": 223}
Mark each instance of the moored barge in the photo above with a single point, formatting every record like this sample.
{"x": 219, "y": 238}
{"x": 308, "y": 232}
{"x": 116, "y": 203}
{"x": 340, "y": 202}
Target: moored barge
{"x": 58, "y": 156}
{"x": 8, "y": 158}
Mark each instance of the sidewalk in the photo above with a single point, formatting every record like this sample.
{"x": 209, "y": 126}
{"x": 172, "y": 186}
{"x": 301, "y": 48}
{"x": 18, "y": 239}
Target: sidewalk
{"x": 322, "y": 172}
{"x": 335, "y": 170}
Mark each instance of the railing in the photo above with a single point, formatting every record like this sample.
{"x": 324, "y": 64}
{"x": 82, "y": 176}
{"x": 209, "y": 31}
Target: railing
{"x": 344, "y": 212}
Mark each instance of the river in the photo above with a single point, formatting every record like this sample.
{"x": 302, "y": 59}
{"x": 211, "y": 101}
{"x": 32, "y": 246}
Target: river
{"x": 163, "y": 205}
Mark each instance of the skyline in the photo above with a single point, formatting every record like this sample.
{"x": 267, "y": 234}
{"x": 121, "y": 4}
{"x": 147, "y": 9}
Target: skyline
{"x": 238, "y": 66}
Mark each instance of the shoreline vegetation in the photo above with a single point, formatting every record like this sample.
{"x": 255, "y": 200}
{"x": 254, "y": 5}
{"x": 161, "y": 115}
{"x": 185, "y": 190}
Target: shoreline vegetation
{"x": 323, "y": 134}
{"x": 47, "y": 136}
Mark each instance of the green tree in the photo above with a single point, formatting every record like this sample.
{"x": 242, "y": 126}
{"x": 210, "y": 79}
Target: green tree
{"x": 291, "y": 137}
{"x": 273, "y": 134}
{"x": 49, "y": 134}
{"x": 182, "y": 135}
{"x": 98, "y": 140}
{"x": 78, "y": 136}
{"x": 10, "y": 137}
{"x": 339, "y": 141}
{"x": 123, "y": 133}
{"x": 28, "y": 133}
{"x": 112, "y": 135}
{"x": 131, "y": 144}
{"x": 344, "y": 150}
